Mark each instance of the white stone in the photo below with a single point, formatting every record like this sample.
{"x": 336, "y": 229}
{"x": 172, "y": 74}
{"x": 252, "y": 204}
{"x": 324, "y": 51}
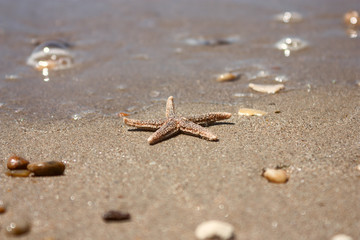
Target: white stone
{"x": 214, "y": 228}
{"x": 341, "y": 237}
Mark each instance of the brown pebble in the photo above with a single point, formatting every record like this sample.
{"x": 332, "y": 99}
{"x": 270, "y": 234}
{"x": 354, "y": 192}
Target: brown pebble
{"x": 352, "y": 18}
{"x": 18, "y": 173}
{"x": 51, "y": 168}
{"x": 225, "y": 77}
{"x": 275, "y": 175}
{"x": 113, "y": 215}
{"x": 2, "y": 207}
{"x": 15, "y": 162}
{"x": 18, "y": 227}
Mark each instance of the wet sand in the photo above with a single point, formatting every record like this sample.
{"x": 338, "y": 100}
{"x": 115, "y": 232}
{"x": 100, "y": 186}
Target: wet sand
{"x": 171, "y": 187}
{"x": 130, "y": 56}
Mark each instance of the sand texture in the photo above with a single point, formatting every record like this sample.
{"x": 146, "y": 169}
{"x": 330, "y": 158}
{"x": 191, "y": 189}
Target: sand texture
{"x": 171, "y": 187}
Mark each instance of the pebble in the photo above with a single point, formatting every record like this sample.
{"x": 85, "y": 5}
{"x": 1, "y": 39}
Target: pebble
{"x": 18, "y": 227}
{"x": 51, "y": 168}
{"x": 214, "y": 229}
{"x": 266, "y": 88}
{"x": 15, "y": 162}
{"x": 225, "y": 77}
{"x": 358, "y": 167}
{"x": 275, "y": 175}
{"x": 251, "y": 112}
{"x": 201, "y": 41}
{"x": 341, "y": 237}
{"x": 352, "y": 18}
{"x": 2, "y": 207}
{"x": 18, "y": 173}
{"x": 113, "y": 215}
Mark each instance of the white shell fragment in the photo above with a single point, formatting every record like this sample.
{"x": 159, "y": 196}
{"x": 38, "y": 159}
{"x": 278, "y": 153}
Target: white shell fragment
{"x": 214, "y": 228}
{"x": 266, "y": 88}
{"x": 251, "y": 112}
{"x": 275, "y": 175}
{"x": 225, "y": 77}
{"x": 341, "y": 237}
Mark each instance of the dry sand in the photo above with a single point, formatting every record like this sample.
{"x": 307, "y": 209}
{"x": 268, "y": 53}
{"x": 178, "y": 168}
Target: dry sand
{"x": 171, "y": 187}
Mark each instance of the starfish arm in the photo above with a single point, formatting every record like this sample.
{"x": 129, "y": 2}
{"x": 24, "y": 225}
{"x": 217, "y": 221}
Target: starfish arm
{"x": 170, "y": 108}
{"x": 209, "y": 117}
{"x": 167, "y": 130}
{"x": 195, "y": 129}
{"x": 149, "y": 124}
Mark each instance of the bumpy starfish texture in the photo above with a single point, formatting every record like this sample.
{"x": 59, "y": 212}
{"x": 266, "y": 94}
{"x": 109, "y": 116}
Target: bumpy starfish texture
{"x": 174, "y": 124}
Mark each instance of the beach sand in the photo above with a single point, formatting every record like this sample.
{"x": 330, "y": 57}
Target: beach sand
{"x": 130, "y": 56}
{"x": 171, "y": 187}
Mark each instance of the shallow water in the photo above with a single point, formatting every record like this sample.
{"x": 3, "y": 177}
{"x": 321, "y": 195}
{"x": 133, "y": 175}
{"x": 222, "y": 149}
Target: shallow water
{"x": 131, "y": 54}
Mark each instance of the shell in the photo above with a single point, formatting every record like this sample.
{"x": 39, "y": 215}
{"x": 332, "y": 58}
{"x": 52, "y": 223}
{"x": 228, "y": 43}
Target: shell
{"x": 251, "y": 112}
{"x": 341, "y": 237}
{"x": 266, "y": 88}
{"x": 214, "y": 229}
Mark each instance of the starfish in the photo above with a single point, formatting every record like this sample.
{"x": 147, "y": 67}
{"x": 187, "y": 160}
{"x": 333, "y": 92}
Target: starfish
{"x": 174, "y": 124}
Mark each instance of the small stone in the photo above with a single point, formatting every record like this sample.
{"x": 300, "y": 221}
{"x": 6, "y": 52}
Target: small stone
{"x": 341, "y": 237}
{"x": 225, "y": 77}
{"x": 266, "y": 88}
{"x": 51, "y": 168}
{"x": 251, "y": 112}
{"x": 352, "y": 18}
{"x": 275, "y": 175}
{"x": 214, "y": 229}
{"x": 15, "y": 162}
{"x": 113, "y": 215}
{"x": 18, "y": 227}
{"x": 358, "y": 167}
{"x": 201, "y": 41}
{"x": 18, "y": 173}
{"x": 2, "y": 207}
